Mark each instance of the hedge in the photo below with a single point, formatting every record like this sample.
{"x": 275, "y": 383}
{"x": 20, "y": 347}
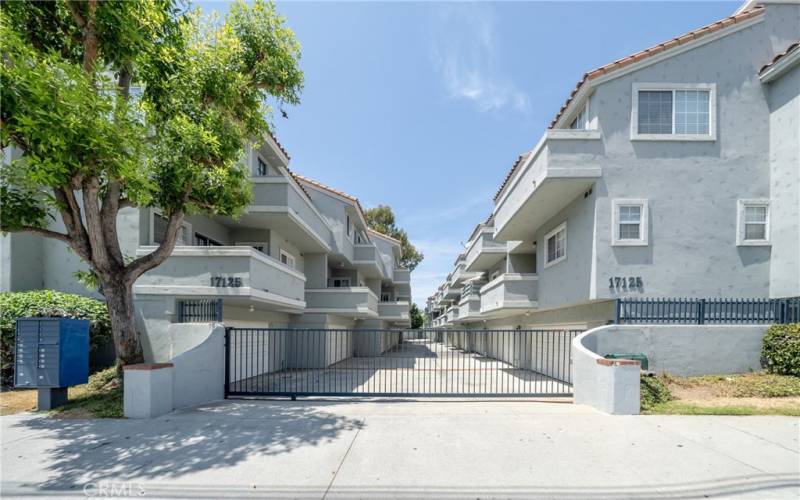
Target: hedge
{"x": 780, "y": 351}
{"x": 15, "y": 305}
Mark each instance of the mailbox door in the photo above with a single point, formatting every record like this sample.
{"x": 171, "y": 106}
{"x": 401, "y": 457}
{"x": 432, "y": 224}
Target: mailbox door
{"x": 26, "y": 355}
{"x": 48, "y": 367}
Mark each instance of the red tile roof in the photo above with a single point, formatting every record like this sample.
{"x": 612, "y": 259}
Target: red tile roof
{"x": 633, "y": 58}
{"x": 332, "y": 190}
{"x": 656, "y": 49}
{"x": 520, "y": 160}
{"x": 280, "y": 146}
{"x": 790, "y": 49}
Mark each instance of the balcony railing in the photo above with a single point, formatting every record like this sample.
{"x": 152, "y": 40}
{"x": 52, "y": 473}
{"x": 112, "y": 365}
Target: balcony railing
{"x": 355, "y": 301}
{"x": 271, "y": 192}
{"x": 484, "y": 251}
{"x": 394, "y": 310}
{"x": 402, "y": 275}
{"x": 224, "y": 271}
{"x": 707, "y": 311}
{"x": 510, "y": 291}
{"x": 563, "y": 166}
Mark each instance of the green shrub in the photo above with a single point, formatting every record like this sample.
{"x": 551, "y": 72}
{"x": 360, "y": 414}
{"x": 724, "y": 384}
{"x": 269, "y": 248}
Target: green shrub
{"x": 40, "y": 303}
{"x": 652, "y": 391}
{"x": 780, "y": 351}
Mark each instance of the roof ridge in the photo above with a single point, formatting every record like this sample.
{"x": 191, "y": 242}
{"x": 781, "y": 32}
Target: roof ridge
{"x": 383, "y": 234}
{"x": 333, "y": 190}
{"x": 638, "y": 56}
{"x": 656, "y": 49}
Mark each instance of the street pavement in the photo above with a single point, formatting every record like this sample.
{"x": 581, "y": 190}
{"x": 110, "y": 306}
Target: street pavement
{"x": 361, "y": 448}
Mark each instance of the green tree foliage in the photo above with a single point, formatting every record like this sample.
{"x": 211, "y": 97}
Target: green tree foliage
{"x": 133, "y": 104}
{"x": 381, "y": 219}
{"x": 417, "y": 318}
{"x": 41, "y": 303}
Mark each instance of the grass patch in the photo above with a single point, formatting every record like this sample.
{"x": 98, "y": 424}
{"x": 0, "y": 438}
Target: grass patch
{"x": 746, "y": 385}
{"x": 742, "y": 394}
{"x": 101, "y": 397}
{"x": 682, "y": 408}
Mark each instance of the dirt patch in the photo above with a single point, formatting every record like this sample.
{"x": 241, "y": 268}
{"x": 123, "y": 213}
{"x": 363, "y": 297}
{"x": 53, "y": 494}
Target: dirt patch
{"x": 761, "y": 403}
{"x": 17, "y": 400}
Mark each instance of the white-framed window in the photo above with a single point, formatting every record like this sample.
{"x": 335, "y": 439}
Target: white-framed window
{"x": 349, "y": 224}
{"x": 261, "y": 246}
{"x": 287, "y": 258}
{"x": 629, "y": 223}
{"x": 753, "y": 222}
{"x": 581, "y": 120}
{"x": 674, "y": 111}
{"x": 338, "y": 282}
{"x": 555, "y": 245}
{"x": 158, "y": 229}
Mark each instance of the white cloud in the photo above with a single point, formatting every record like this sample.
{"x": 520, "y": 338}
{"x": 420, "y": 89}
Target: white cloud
{"x": 464, "y": 55}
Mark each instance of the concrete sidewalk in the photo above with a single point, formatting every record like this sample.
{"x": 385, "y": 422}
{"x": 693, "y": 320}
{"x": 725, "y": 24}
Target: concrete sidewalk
{"x": 401, "y": 449}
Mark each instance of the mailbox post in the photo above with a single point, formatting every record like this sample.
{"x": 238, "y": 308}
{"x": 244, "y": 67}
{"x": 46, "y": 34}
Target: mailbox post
{"x": 51, "y": 355}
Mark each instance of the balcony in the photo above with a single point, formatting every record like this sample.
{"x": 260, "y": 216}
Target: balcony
{"x": 563, "y": 166}
{"x": 367, "y": 259}
{"x": 357, "y": 302}
{"x": 484, "y": 252}
{"x": 394, "y": 311}
{"x": 509, "y": 294}
{"x": 402, "y": 275}
{"x": 236, "y": 272}
{"x": 452, "y": 314}
{"x": 279, "y": 204}
{"x": 469, "y": 308}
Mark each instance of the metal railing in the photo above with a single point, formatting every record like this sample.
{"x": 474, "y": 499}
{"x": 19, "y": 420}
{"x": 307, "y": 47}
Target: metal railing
{"x": 199, "y": 310}
{"x": 707, "y": 311}
{"x": 424, "y": 362}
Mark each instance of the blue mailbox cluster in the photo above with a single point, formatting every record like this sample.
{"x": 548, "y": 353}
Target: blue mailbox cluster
{"x": 51, "y": 352}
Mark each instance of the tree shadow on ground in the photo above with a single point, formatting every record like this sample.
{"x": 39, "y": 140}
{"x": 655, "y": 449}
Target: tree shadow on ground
{"x": 211, "y": 437}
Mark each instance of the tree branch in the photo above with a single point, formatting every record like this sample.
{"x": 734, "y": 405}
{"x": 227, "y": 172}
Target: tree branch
{"x": 160, "y": 254}
{"x": 46, "y": 233}
{"x": 91, "y": 210}
{"x": 108, "y": 221}
{"x": 71, "y": 215}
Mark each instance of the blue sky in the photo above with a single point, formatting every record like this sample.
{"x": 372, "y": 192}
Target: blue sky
{"x": 425, "y": 106}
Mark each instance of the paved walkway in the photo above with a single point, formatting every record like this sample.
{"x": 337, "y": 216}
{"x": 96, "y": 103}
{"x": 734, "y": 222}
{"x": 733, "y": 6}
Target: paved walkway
{"x": 402, "y": 449}
{"x": 415, "y": 367}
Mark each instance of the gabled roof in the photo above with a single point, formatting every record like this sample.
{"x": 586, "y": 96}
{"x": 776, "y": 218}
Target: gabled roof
{"x": 384, "y": 236}
{"x": 656, "y": 49}
{"x": 631, "y": 59}
{"x": 336, "y": 192}
{"x": 280, "y": 146}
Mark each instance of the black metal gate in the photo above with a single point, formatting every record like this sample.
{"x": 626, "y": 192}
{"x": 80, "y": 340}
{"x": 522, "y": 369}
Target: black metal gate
{"x": 413, "y": 363}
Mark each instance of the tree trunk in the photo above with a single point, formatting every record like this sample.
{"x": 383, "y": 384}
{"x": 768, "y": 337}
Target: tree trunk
{"x": 119, "y": 297}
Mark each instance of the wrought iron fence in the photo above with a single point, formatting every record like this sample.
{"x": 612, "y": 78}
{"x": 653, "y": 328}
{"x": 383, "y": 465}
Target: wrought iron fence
{"x": 425, "y": 362}
{"x": 199, "y": 310}
{"x": 707, "y": 311}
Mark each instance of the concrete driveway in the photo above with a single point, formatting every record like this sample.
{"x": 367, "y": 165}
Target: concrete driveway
{"x": 401, "y": 449}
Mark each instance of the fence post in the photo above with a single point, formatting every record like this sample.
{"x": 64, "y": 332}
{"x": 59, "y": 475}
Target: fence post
{"x": 617, "y": 311}
{"x": 218, "y": 310}
{"x": 701, "y": 311}
{"x": 226, "y": 364}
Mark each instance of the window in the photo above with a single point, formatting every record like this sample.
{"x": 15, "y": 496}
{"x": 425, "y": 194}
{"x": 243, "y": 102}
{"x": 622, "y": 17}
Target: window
{"x": 348, "y": 224}
{"x": 339, "y": 283}
{"x": 204, "y": 241}
{"x": 287, "y": 258}
{"x": 629, "y": 222}
{"x": 556, "y": 245}
{"x": 753, "y": 222}
{"x": 261, "y": 167}
{"x": 158, "y": 230}
{"x": 581, "y": 122}
{"x": 673, "y": 111}
{"x": 385, "y": 297}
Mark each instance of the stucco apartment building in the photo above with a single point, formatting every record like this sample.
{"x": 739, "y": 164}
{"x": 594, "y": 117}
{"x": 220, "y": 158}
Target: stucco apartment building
{"x": 301, "y": 256}
{"x": 674, "y": 172}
